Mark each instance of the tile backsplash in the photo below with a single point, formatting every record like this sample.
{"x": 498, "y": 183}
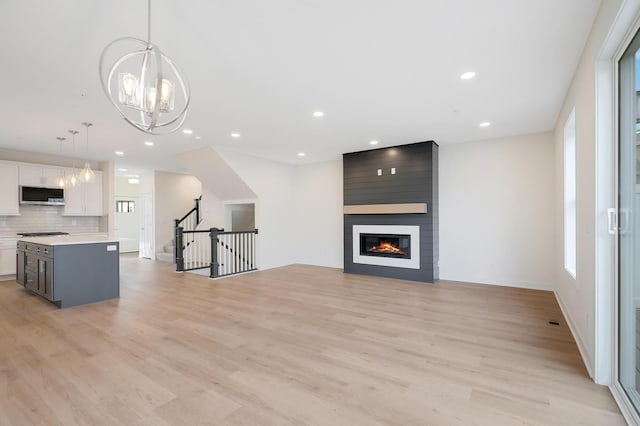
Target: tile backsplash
{"x": 47, "y": 218}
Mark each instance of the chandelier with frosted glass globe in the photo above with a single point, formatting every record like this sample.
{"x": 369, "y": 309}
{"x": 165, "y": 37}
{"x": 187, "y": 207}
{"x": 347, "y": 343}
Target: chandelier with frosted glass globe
{"x": 144, "y": 84}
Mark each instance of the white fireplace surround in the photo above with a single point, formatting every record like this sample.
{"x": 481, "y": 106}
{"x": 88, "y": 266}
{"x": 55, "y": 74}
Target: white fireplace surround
{"x": 413, "y": 231}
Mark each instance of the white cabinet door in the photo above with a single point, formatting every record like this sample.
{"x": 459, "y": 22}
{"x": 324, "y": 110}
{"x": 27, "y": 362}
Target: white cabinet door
{"x": 50, "y": 176}
{"x": 84, "y": 199}
{"x": 93, "y": 197}
{"x": 8, "y": 256}
{"x": 32, "y": 176}
{"x": 9, "y": 202}
{"x": 74, "y": 201}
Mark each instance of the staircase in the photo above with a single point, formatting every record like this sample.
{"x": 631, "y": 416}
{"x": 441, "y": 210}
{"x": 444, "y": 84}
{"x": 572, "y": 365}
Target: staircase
{"x": 189, "y": 221}
{"x": 166, "y": 255}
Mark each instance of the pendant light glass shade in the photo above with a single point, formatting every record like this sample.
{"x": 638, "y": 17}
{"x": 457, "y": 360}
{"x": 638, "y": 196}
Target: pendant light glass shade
{"x": 145, "y": 85}
{"x": 72, "y": 179}
{"x": 61, "y": 179}
{"x": 87, "y": 175}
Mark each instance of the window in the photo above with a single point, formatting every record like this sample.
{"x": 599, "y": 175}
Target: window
{"x": 570, "y": 222}
{"x": 124, "y": 206}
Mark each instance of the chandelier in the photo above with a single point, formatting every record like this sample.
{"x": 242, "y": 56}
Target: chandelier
{"x": 145, "y": 85}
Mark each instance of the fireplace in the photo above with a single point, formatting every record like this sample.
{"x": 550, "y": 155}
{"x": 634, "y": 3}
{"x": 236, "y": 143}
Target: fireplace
{"x": 386, "y": 245}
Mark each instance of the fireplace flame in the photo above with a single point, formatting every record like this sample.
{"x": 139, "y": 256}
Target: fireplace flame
{"x": 386, "y": 247}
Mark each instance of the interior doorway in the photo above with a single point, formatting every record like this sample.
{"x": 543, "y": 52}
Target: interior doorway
{"x": 240, "y": 217}
{"x": 146, "y": 226}
{"x": 127, "y": 223}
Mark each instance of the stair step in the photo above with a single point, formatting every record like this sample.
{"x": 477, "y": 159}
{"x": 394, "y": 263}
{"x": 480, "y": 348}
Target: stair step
{"x": 164, "y": 257}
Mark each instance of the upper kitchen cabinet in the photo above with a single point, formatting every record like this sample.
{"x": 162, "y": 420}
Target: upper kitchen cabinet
{"x": 84, "y": 199}
{"x": 9, "y": 202}
{"x": 38, "y": 176}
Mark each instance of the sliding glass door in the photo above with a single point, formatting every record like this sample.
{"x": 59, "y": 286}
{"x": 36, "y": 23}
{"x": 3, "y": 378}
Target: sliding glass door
{"x": 628, "y": 224}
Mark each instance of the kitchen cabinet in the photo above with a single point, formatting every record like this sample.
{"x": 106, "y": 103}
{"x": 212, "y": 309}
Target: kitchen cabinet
{"x": 84, "y": 199}
{"x": 7, "y": 256}
{"x": 37, "y": 275}
{"x": 9, "y": 201}
{"x": 39, "y": 176}
{"x": 69, "y": 270}
{"x": 21, "y": 257}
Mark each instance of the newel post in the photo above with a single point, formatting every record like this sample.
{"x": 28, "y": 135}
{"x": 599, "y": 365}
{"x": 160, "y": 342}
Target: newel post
{"x": 179, "y": 249}
{"x": 213, "y": 234}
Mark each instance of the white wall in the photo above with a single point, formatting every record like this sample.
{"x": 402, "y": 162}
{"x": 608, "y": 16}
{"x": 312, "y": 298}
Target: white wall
{"x": 273, "y": 183}
{"x": 211, "y": 210}
{"x": 496, "y": 211}
{"x": 172, "y": 197}
{"x": 577, "y": 296}
{"x": 318, "y": 213}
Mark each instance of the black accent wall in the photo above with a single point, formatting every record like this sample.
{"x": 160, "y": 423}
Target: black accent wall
{"x": 415, "y": 181}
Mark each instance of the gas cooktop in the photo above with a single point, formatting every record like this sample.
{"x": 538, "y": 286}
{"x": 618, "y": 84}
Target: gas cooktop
{"x": 42, "y": 234}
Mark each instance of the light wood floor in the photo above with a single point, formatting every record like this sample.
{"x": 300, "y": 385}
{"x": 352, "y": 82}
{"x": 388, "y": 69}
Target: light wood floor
{"x": 293, "y": 345}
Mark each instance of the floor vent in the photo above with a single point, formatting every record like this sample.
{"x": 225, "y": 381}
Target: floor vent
{"x": 556, "y": 323}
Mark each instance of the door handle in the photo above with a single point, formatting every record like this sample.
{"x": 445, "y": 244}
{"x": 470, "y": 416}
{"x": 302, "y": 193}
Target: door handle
{"x": 611, "y": 219}
{"x": 624, "y": 221}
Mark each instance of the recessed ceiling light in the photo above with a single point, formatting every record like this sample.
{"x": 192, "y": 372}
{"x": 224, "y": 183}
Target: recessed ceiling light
{"x": 198, "y": 138}
{"x": 187, "y": 131}
{"x": 467, "y": 75}
{"x": 119, "y": 153}
{"x": 318, "y": 114}
{"x": 301, "y": 154}
{"x": 133, "y": 176}
{"x": 485, "y": 124}
{"x": 148, "y": 143}
{"x": 235, "y": 135}
{"x": 373, "y": 142}
{"x": 123, "y": 170}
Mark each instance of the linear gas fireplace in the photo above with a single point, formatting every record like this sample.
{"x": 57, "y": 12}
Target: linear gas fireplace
{"x": 386, "y": 245}
{"x": 391, "y": 212}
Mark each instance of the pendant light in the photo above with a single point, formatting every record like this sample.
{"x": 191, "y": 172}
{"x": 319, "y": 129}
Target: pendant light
{"x": 73, "y": 178}
{"x": 87, "y": 175}
{"x": 144, "y": 85}
{"x": 61, "y": 180}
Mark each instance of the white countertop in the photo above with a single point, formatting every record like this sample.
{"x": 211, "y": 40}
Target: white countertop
{"x": 59, "y": 240}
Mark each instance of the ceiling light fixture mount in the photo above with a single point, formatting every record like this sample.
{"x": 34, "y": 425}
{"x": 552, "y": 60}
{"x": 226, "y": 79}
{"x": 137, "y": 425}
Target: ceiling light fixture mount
{"x": 145, "y": 85}
{"x": 467, "y": 75}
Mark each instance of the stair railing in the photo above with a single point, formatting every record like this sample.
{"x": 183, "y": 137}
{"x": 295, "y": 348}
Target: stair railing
{"x": 188, "y": 222}
{"x": 232, "y": 252}
{"x": 196, "y": 253}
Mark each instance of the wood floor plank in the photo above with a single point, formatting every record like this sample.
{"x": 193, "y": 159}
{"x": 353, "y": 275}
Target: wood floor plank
{"x": 295, "y": 345}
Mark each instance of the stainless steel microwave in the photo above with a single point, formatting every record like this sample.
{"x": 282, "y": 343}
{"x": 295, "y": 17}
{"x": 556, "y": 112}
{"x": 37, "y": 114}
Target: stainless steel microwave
{"x": 42, "y": 196}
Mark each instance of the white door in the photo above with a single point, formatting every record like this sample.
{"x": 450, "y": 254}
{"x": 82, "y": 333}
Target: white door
{"x": 127, "y": 223}
{"x": 146, "y": 226}
{"x": 628, "y": 250}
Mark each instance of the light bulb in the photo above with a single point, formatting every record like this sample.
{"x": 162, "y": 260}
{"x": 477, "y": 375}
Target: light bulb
{"x": 166, "y": 96}
{"x": 128, "y": 89}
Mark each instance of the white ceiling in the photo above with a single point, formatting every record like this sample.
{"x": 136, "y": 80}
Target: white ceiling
{"x": 384, "y": 70}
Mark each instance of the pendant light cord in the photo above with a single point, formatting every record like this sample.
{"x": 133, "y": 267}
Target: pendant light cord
{"x": 149, "y": 22}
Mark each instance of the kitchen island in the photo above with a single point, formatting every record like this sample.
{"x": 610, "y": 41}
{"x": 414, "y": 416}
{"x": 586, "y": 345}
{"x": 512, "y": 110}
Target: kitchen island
{"x": 69, "y": 270}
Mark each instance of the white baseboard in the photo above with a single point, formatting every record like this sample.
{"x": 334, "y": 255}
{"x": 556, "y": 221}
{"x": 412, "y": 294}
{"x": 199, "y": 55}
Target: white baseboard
{"x": 516, "y": 284}
{"x": 586, "y": 359}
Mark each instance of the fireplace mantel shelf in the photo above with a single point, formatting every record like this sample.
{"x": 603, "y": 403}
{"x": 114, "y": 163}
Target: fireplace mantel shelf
{"x": 386, "y": 208}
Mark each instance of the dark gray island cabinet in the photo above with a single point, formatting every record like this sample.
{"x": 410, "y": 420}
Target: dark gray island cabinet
{"x": 69, "y": 270}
